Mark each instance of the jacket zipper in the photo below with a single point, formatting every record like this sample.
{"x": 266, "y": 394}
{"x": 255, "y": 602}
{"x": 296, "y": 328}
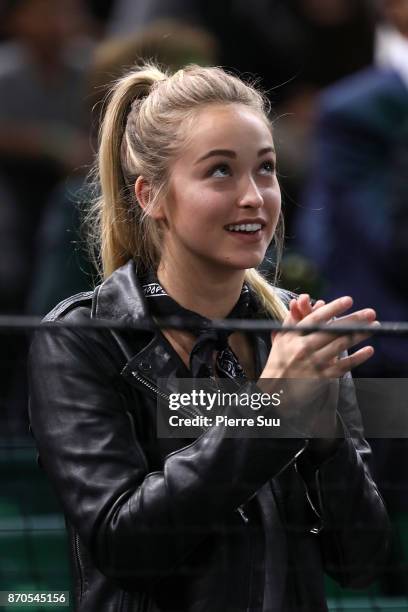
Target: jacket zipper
{"x": 79, "y": 565}
{"x": 186, "y": 410}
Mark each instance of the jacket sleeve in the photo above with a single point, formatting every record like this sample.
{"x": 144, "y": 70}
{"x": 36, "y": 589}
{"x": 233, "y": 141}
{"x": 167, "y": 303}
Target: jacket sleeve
{"x": 355, "y": 530}
{"x": 137, "y": 525}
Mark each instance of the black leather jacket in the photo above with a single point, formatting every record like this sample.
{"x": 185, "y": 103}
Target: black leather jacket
{"x": 153, "y": 522}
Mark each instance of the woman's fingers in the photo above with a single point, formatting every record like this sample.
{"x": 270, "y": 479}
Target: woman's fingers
{"x": 345, "y": 364}
{"x": 366, "y": 317}
{"x": 318, "y": 304}
{"x": 292, "y": 318}
{"x": 325, "y": 355}
{"x": 300, "y": 307}
{"x": 365, "y": 314}
{"x": 304, "y": 304}
{"x": 317, "y": 353}
{"x": 295, "y": 311}
{"x": 325, "y": 313}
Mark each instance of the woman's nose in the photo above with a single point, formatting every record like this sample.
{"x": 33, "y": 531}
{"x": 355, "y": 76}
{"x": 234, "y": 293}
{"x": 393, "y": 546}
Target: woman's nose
{"x": 250, "y": 195}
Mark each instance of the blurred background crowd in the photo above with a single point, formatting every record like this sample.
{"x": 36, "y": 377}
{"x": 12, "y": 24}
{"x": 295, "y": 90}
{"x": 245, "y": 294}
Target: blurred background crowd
{"x": 336, "y": 72}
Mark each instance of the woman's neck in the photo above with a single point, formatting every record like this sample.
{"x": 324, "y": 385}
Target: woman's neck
{"x": 211, "y": 295}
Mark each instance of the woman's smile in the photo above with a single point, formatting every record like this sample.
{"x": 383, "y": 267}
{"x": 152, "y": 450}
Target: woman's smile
{"x": 247, "y": 236}
{"x": 247, "y": 230}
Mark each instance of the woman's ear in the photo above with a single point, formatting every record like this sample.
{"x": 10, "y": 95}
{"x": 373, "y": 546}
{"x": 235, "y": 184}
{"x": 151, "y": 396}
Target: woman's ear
{"x": 143, "y": 192}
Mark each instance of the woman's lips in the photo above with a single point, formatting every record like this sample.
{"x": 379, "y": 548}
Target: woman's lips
{"x": 249, "y": 237}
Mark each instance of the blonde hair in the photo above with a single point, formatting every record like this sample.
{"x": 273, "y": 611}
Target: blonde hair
{"x": 144, "y": 126}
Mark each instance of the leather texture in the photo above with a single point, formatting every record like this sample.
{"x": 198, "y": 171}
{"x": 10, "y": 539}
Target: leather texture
{"x": 153, "y": 522}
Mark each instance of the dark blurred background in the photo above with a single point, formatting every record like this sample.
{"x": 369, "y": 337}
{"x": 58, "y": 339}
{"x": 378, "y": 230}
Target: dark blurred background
{"x": 336, "y": 72}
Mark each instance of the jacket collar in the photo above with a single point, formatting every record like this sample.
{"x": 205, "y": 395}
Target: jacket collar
{"x": 148, "y": 355}
{"x": 120, "y": 297}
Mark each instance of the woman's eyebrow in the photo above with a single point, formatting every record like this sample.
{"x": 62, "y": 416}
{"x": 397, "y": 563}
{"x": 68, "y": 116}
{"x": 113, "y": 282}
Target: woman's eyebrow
{"x": 266, "y": 150}
{"x": 231, "y": 154}
{"x": 217, "y": 152}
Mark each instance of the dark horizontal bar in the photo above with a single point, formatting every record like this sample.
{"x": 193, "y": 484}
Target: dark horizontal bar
{"x": 27, "y": 323}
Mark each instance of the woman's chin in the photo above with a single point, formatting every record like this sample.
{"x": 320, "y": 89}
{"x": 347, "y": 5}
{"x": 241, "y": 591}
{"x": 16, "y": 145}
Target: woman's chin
{"x": 242, "y": 263}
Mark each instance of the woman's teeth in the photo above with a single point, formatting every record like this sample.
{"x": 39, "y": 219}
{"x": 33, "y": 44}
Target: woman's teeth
{"x": 248, "y": 227}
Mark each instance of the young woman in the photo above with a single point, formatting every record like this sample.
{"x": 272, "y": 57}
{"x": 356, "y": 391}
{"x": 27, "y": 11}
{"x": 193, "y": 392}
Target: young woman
{"x": 189, "y": 203}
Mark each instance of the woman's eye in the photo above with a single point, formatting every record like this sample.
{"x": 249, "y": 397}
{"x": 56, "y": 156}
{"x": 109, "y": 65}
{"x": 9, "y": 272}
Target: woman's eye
{"x": 220, "y": 170}
{"x": 268, "y": 167}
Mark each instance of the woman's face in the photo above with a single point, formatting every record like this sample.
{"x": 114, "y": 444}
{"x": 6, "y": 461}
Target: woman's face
{"x": 224, "y": 178}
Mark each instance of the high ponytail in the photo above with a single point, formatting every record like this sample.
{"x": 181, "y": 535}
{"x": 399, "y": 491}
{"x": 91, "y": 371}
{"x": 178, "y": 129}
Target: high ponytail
{"x": 117, "y": 239}
{"x": 144, "y": 127}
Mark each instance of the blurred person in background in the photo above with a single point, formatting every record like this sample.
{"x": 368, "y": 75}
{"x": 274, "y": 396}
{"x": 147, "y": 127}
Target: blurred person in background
{"x": 44, "y": 136}
{"x": 358, "y": 188}
{"x": 358, "y": 150}
{"x": 43, "y": 122}
{"x": 12, "y": 269}
{"x": 284, "y": 42}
